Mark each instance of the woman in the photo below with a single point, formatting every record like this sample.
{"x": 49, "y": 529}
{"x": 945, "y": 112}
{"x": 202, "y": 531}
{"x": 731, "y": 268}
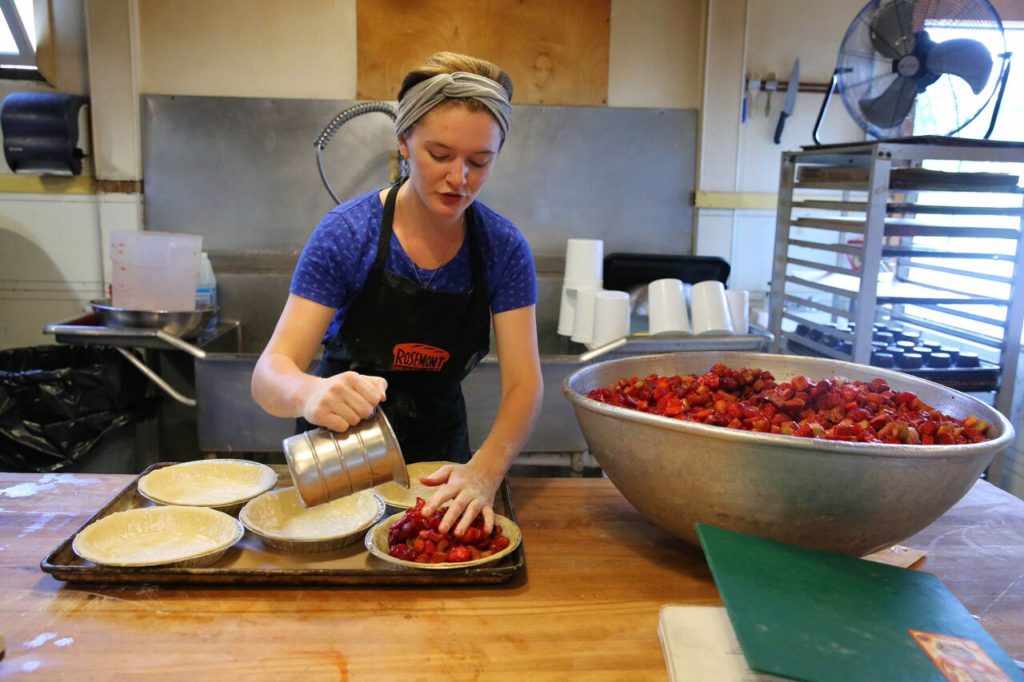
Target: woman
{"x": 400, "y": 285}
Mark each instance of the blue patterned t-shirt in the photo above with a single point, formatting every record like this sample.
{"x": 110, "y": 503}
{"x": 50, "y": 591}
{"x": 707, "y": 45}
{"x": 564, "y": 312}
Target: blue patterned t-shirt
{"x": 337, "y": 258}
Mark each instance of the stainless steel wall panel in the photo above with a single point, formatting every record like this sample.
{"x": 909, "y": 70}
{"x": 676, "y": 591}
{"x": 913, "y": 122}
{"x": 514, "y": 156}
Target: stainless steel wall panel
{"x": 242, "y": 172}
{"x": 622, "y": 175}
{"x": 555, "y": 430}
{"x": 255, "y": 300}
{"x": 228, "y": 418}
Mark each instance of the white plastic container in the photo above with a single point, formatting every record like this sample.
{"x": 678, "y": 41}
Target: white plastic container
{"x": 584, "y": 263}
{"x": 154, "y": 271}
{"x": 567, "y": 312}
{"x": 583, "y": 321}
{"x": 584, "y": 266}
{"x": 739, "y": 309}
{"x": 710, "y": 309}
{"x": 611, "y": 317}
{"x": 666, "y": 306}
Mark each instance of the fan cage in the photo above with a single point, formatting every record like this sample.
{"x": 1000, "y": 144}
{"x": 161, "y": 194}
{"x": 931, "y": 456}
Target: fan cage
{"x": 945, "y": 106}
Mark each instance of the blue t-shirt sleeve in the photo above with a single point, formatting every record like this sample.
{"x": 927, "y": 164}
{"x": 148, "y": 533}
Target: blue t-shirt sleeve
{"x": 335, "y": 261}
{"x": 516, "y": 279}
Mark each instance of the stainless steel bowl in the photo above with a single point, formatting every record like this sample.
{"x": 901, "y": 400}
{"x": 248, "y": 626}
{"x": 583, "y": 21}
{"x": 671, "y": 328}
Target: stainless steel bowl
{"x": 180, "y": 323}
{"x": 852, "y": 498}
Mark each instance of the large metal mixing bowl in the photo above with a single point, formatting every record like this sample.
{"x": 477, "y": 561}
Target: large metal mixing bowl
{"x": 181, "y": 323}
{"x": 852, "y": 498}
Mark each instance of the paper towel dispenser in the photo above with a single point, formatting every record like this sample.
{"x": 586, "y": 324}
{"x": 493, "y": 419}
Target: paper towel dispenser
{"x": 41, "y": 132}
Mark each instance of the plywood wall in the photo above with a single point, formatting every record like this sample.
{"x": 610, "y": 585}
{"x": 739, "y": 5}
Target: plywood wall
{"x": 556, "y": 52}
{"x": 649, "y": 55}
{"x": 656, "y": 57}
{"x": 247, "y": 48}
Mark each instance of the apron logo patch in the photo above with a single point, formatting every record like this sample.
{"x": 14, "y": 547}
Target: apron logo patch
{"x": 419, "y": 356}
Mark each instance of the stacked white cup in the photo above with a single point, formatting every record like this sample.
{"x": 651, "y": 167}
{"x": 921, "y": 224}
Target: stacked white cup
{"x": 583, "y": 322}
{"x": 584, "y": 271}
{"x": 739, "y": 309}
{"x": 710, "y": 309}
{"x": 666, "y": 307}
{"x": 611, "y": 317}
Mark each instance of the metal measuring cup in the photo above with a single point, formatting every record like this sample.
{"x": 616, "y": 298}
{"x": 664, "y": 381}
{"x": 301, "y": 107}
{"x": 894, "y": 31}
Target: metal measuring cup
{"x": 326, "y": 465}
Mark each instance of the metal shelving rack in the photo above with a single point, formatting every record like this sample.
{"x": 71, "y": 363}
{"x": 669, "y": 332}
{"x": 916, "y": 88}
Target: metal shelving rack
{"x": 845, "y": 255}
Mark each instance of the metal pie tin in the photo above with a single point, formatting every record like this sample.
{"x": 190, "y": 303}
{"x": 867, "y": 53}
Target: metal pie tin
{"x": 326, "y": 465}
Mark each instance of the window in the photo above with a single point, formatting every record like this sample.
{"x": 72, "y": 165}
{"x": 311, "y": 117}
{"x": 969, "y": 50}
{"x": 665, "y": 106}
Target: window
{"x": 18, "y": 40}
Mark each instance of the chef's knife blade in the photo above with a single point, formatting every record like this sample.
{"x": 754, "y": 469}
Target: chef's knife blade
{"x": 787, "y": 109}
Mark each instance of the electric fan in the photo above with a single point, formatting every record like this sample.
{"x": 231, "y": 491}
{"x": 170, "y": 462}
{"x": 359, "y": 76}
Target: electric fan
{"x": 933, "y": 60}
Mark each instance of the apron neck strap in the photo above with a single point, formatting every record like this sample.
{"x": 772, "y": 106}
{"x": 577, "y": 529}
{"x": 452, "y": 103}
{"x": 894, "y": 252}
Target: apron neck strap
{"x": 387, "y": 226}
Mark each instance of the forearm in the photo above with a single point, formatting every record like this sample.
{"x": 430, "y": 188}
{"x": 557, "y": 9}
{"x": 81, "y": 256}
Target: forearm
{"x": 512, "y": 427}
{"x": 279, "y": 386}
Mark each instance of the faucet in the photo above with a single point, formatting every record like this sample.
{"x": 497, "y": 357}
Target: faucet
{"x": 601, "y": 350}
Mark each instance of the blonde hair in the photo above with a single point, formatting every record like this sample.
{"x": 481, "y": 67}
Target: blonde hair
{"x": 453, "y": 62}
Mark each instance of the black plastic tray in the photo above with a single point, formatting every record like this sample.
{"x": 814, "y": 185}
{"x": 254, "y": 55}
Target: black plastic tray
{"x": 623, "y": 271}
{"x": 969, "y": 379}
{"x": 250, "y": 562}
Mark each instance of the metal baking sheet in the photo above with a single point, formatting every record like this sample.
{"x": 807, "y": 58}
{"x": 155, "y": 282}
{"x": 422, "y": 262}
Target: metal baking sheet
{"x": 969, "y": 379}
{"x": 250, "y": 562}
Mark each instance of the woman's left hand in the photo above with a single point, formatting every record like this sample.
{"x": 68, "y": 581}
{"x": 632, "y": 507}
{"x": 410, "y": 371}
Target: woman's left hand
{"x": 470, "y": 488}
{"x": 471, "y": 492}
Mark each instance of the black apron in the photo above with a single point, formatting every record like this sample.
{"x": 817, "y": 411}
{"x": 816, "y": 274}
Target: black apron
{"x": 422, "y": 342}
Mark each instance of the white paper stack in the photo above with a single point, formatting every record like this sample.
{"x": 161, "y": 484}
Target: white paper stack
{"x": 700, "y": 645}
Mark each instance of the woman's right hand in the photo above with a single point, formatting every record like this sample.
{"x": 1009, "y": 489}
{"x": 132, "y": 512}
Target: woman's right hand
{"x": 343, "y": 400}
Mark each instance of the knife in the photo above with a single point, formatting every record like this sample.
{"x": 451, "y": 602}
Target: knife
{"x": 787, "y": 109}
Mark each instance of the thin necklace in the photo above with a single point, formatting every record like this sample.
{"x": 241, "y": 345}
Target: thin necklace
{"x": 433, "y": 274}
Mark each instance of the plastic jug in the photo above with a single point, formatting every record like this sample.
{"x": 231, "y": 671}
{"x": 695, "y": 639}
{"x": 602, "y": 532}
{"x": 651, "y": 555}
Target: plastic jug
{"x": 154, "y": 270}
{"x": 206, "y": 289}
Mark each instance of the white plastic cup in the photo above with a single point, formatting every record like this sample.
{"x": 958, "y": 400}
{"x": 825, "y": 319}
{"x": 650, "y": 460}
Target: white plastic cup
{"x": 154, "y": 271}
{"x": 567, "y": 312}
{"x": 584, "y": 262}
{"x": 710, "y": 309}
{"x": 583, "y": 323}
{"x": 611, "y": 317}
{"x": 666, "y": 307}
{"x": 739, "y": 309}
{"x": 569, "y": 306}
{"x": 578, "y": 284}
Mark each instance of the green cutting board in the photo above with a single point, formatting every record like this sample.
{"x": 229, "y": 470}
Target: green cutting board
{"x": 812, "y": 615}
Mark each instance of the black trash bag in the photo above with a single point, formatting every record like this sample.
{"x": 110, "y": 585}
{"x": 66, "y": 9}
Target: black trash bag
{"x": 57, "y": 402}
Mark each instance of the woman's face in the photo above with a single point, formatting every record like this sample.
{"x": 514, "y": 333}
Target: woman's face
{"x": 451, "y": 151}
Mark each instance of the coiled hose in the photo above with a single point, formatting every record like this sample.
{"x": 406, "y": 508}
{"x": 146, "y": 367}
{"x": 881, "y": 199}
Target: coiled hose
{"x": 325, "y": 136}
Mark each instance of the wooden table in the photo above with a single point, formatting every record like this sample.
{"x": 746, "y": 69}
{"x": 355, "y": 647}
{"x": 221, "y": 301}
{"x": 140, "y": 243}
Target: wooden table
{"x": 597, "y": 574}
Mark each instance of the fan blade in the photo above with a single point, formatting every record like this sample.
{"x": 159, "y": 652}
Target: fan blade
{"x": 962, "y": 57}
{"x": 892, "y": 29}
{"x": 892, "y": 106}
